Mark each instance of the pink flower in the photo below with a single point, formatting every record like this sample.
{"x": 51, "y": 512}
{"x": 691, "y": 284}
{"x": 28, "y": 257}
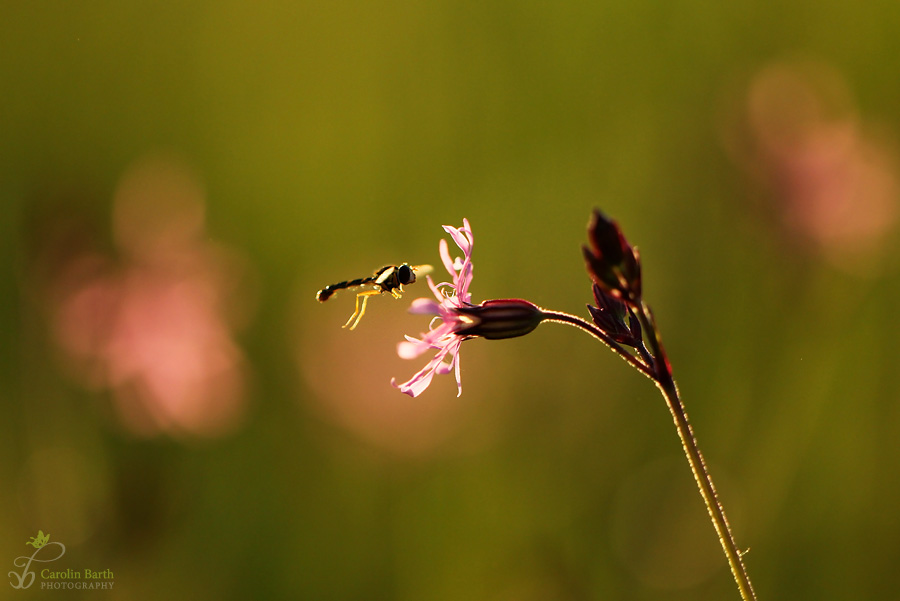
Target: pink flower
{"x": 444, "y": 338}
{"x": 460, "y": 319}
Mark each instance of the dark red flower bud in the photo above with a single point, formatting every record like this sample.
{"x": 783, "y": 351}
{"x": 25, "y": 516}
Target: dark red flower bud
{"x": 606, "y": 238}
{"x": 612, "y": 263}
{"x": 615, "y": 318}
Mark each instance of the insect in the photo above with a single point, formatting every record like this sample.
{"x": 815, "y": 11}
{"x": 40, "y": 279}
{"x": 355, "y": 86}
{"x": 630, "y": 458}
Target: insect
{"x": 390, "y": 279}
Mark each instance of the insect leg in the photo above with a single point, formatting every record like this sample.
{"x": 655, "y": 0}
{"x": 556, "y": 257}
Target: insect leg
{"x": 360, "y": 310}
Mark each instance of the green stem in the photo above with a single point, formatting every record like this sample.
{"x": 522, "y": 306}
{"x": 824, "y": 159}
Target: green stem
{"x": 669, "y": 390}
{"x": 707, "y": 490}
{"x": 659, "y": 373}
{"x": 572, "y": 320}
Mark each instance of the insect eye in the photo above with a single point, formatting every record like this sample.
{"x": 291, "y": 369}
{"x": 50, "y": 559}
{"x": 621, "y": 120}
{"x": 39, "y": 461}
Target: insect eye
{"x": 406, "y": 275}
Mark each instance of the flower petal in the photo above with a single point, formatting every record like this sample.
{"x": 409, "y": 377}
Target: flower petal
{"x": 462, "y": 237}
{"x": 419, "y": 382}
{"x": 445, "y": 258}
{"x": 411, "y": 348}
{"x": 435, "y": 288}
{"x": 462, "y": 284}
{"x": 458, "y": 380}
{"x": 425, "y": 306}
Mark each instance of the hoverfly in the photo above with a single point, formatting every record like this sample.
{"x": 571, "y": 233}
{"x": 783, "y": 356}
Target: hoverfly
{"x": 390, "y": 279}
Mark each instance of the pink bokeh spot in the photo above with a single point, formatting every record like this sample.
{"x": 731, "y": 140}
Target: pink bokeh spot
{"x": 153, "y": 324}
{"x": 831, "y": 176}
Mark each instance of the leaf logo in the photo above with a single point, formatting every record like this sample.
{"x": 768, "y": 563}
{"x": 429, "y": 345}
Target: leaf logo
{"x": 38, "y": 541}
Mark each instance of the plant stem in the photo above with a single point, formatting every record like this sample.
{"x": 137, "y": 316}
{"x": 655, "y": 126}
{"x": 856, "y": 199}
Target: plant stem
{"x": 707, "y": 490}
{"x": 572, "y": 320}
{"x": 666, "y": 385}
{"x": 658, "y": 371}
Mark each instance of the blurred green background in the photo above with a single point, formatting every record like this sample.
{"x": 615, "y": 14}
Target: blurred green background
{"x": 178, "y": 179}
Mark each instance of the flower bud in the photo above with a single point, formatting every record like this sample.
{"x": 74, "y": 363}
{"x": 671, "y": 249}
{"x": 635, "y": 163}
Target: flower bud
{"x": 614, "y": 317}
{"x": 612, "y": 263}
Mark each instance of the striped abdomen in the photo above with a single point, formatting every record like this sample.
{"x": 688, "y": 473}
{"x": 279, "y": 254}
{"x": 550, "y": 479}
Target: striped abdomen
{"x": 325, "y": 293}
